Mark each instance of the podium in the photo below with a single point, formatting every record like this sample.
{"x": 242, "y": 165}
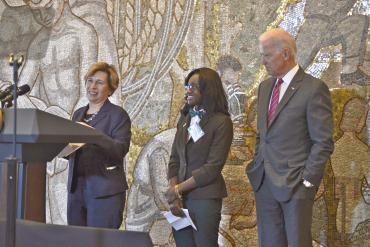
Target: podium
{"x": 40, "y": 137}
{"x": 34, "y": 234}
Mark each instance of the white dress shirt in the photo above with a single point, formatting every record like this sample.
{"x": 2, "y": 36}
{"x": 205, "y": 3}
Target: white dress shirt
{"x": 287, "y": 78}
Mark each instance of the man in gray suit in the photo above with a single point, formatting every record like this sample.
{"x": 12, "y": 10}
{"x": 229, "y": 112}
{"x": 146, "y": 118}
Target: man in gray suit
{"x": 294, "y": 141}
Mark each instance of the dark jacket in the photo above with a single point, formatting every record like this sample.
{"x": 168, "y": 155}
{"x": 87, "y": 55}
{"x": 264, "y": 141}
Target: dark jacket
{"x": 203, "y": 159}
{"x": 103, "y": 161}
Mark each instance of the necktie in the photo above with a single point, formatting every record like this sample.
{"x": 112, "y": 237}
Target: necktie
{"x": 274, "y": 100}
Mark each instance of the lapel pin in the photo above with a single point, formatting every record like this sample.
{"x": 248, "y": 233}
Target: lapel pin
{"x": 184, "y": 125}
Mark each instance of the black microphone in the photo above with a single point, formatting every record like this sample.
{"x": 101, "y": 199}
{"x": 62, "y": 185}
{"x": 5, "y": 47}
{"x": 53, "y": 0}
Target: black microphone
{"x": 7, "y": 91}
{"x": 20, "y": 91}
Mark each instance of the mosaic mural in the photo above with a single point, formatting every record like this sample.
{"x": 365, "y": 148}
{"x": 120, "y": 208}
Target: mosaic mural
{"x": 154, "y": 44}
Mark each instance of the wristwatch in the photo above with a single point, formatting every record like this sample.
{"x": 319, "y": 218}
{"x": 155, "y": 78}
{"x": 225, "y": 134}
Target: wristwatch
{"x": 307, "y": 184}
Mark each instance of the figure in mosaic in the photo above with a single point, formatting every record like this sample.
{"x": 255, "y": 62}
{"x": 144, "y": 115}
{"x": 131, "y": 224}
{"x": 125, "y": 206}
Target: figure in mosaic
{"x": 150, "y": 38}
{"x": 328, "y": 23}
{"x": 20, "y": 27}
{"x": 350, "y": 161}
{"x": 236, "y": 214}
{"x": 230, "y": 69}
{"x": 146, "y": 196}
{"x": 95, "y": 13}
{"x": 58, "y": 57}
{"x": 239, "y": 210}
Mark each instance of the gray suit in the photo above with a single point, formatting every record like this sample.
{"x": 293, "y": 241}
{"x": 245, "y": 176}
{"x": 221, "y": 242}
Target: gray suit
{"x": 294, "y": 147}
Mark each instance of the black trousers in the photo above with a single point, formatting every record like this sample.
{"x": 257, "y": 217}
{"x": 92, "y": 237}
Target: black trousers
{"x": 206, "y": 215}
{"x": 86, "y": 210}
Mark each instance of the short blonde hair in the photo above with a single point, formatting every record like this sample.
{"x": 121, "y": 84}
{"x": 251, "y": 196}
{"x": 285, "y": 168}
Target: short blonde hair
{"x": 113, "y": 79}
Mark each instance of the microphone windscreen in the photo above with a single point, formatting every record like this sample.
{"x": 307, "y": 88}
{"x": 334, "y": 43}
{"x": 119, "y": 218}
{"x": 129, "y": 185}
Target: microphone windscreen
{"x": 23, "y": 89}
{"x": 7, "y": 91}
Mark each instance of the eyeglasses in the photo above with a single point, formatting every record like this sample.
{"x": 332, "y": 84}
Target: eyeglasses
{"x": 191, "y": 87}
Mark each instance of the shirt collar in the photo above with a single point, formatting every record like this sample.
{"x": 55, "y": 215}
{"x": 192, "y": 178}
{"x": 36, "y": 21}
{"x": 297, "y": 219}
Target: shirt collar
{"x": 288, "y": 77}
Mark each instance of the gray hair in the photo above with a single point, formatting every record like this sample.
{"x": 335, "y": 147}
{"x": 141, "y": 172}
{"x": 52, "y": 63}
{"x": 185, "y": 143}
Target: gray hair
{"x": 282, "y": 39}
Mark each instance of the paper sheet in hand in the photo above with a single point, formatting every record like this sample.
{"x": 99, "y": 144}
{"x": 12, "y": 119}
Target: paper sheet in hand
{"x": 85, "y": 124}
{"x": 70, "y": 148}
{"x": 177, "y": 222}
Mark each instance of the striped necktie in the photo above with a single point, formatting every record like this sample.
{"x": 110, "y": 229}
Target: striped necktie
{"x": 274, "y": 100}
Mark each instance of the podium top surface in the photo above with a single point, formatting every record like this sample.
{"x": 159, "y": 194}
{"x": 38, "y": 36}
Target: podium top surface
{"x": 36, "y": 126}
{"x": 34, "y": 234}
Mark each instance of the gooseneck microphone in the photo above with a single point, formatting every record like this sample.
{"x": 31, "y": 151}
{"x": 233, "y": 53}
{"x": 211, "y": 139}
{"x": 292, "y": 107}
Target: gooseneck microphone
{"x": 9, "y": 96}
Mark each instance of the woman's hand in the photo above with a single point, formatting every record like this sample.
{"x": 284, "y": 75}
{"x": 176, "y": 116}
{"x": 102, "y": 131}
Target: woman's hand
{"x": 176, "y": 208}
{"x": 171, "y": 195}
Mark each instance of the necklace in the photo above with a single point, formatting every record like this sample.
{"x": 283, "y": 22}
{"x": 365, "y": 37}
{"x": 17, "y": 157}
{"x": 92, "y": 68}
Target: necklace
{"x": 89, "y": 117}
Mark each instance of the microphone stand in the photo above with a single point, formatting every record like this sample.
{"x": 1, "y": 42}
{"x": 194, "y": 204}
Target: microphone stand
{"x": 11, "y": 163}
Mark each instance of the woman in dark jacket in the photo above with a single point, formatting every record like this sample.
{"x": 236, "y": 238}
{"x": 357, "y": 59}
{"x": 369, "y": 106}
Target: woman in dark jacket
{"x": 199, "y": 152}
{"x": 97, "y": 182}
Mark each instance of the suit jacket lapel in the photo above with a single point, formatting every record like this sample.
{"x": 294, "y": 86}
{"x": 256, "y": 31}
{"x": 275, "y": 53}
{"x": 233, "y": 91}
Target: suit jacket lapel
{"x": 79, "y": 115}
{"x": 185, "y": 126}
{"x": 293, "y": 87}
{"x": 204, "y": 120}
{"x": 101, "y": 114}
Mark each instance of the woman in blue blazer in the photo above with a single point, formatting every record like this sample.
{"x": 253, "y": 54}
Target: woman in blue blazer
{"x": 97, "y": 182}
{"x": 199, "y": 152}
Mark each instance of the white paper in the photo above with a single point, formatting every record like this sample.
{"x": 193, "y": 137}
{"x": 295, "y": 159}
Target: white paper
{"x": 195, "y": 131}
{"x": 177, "y": 222}
{"x": 85, "y": 124}
{"x": 70, "y": 148}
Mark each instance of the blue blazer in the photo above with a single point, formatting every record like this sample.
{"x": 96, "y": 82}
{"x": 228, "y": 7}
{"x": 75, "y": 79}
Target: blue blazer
{"x": 104, "y": 171}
